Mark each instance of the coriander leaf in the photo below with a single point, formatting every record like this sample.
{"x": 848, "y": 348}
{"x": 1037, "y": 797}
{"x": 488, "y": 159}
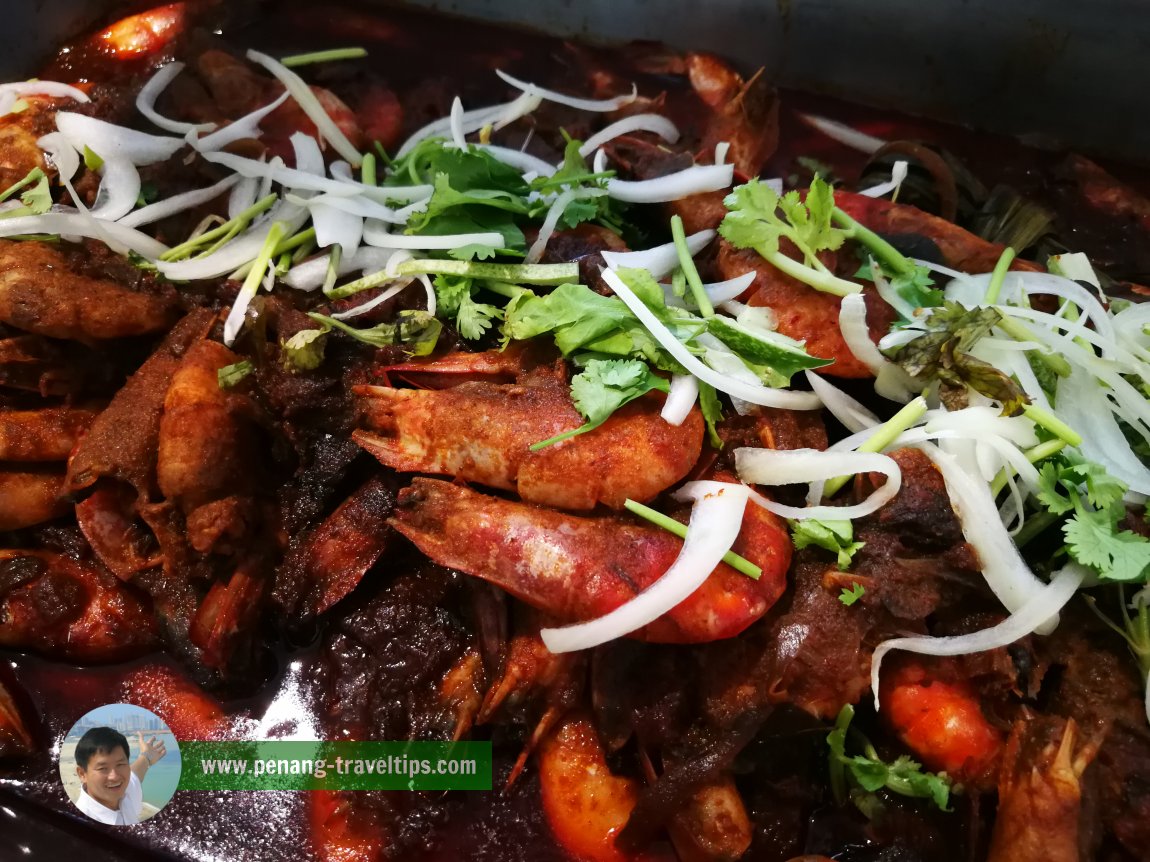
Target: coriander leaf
{"x": 1093, "y": 539}
{"x": 38, "y": 199}
{"x": 304, "y": 350}
{"x": 580, "y": 319}
{"x": 915, "y": 287}
{"x": 450, "y": 292}
{"x": 834, "y": 536}
{"x": 753, "y": 221}
{"x": 474, "y": 318}
{"x": 602, "y": 387}
{"x": 230, "y": 375}
{"x": 849, "y": 596}
{"x": 869, "y": 772}
{"x": 1050, "y": 492}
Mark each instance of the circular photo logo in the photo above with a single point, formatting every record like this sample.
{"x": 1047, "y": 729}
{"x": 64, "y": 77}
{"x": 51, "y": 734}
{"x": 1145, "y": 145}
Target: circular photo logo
{"x": 120, "y": 764}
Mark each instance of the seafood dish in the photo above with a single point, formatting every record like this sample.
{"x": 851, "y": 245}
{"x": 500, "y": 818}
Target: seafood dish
{"x": 763, "y": 477}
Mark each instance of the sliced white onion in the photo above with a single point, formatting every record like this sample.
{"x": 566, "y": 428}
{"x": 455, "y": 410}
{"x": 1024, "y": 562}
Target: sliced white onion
{"x": 716, "y": 519}
{"x": 844, "y": 134}
{"x": 851, "y": 413}
{"x": 240, "y": 251}
{"x": 1038, "y": 613}
{"x": 661, "y": 260}
{"x": 119, "y": 238}
{"x": 518, "y": 159}
{"x": 721, "y": 294}
{"x": 897, "y": 175}
{"x": 721, "y": 150}
{"x": 682, "y": 397}
{"x": 119, "y": 190}
{"x": 1006, "y": 573}
{"x": 694, "y": 180}
{"x": 296, "y": 179}
{"x": 150, "y": 92}
{"x": 496, "y": 116}
{"x": 456, "y": 118}
{"x": 310, "y": 274}
{"x": 178, "y": 203}
{"x": 1077, "y": 266}
{"x": 111, "y": 142}
{"x": 61, "y": 154}
{"x": 599, "y": 163}
{"x": 763, "y": 395}
{"x": 890, "y": 380}
{"x": 310, "y": 105}
{"x": 429, "y": 291}
{"x": 655, "y": 123}
{"x": 375, "y": 234}
{"x": 243, "y": 196}
{"x": 1083, "y": 405}
{"x": 799, "y": 466}
{"x": 570, "y": 101}
{"x": 53, "y": 89}
{"x": 356, "y": 206}
{"x": 372, "y": 303}
{"x": 247, "y": 126}
{"x": 551, "y": 220}
{"x": 333, "y": 226}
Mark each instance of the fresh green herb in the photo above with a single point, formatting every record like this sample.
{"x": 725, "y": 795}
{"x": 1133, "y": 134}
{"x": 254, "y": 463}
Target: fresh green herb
{"x": 754, "y": 221}
{"x": 942, "y": 354}
{"x": 739, "y": 564}
{"x": 849, "y": 597}
{"x": 219, "y": 235}
{"x": 34, "y": 178}
{"x": 416, "y": 331}
{"x": 454, "y": 297}
{"x": 772, "y": 355}
{"x": 574, "y": 174}
{"x": 1135, "y": 628}
{"x": 323, "y": 56}
{"x": 580, "y": 319}
{"x": 38, "y": 198}
{"x": 92, "y": 160}
{"x": 883, "y": 436}
{"x": 999, "y": 275}
{"x": 871, "y": 773}
{"x": 712, "y": 410}
{"x": 546, "y": 274}
{"x": 367, "y": 170}
{"x": 914, "y": 286}
{"x": 1092, "y": 533}
{"x": 230, "y": 375}
{"x": 304, "y": 350}
{"x": 835, "y": 536}
{"x": 687, "y": 267}
{"x": 148, "y": 194}
{"x": 601, "y": 388}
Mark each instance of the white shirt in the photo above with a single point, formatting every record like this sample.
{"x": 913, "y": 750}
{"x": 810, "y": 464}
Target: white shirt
{"x": 130, "y": 805}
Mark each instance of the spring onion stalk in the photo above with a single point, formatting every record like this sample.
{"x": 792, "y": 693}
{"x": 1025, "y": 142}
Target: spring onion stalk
{"x": 332, "y": 275}
{"x": 883, "y": 436}
{"x": 999, "y": 275}
{"x": 252, "y": 283}
{"x": 1043, "y": 417}
{"x": 226, "y": 230}
{"x": 687, "y": 265}
{"x": 886, "y": 253}
{"x": 1021, "y": 332}
{"x": 739, "y": 564}
{"x": 548, "y": 274}
{"x": 323, "y": 57}
{"x": 1044, "y": 450}
{"x": 367, "y": 174}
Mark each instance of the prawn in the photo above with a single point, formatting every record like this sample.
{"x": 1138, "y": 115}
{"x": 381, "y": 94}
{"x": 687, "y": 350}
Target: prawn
{"x": 483, "y": 432}
{"x": 578, "y": 568}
